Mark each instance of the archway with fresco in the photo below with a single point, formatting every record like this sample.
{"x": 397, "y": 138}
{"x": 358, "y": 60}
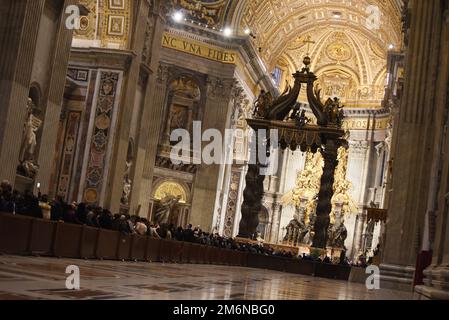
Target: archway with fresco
{"x": 178, "y": 195}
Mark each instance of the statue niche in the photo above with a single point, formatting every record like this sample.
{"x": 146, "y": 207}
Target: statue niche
{"x": 171, "y": 206}
{"x": 28, "y": 166}
{"x": 164, "y": 209}
{"x": 127, "y": 181}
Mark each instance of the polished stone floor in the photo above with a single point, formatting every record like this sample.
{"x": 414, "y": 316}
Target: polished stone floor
{"x": 45, "y": 278}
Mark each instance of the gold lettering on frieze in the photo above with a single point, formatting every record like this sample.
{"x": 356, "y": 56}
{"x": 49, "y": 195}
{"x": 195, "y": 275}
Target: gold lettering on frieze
{"x": 364, "y": 124}
{"x": 198, "y": 49}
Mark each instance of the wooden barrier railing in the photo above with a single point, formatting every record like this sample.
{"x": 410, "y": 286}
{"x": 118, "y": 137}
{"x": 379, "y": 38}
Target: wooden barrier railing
{"x": 22, "y": 235}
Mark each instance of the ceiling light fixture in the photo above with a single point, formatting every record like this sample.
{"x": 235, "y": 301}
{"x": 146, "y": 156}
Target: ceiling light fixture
{"x": 178, "y": 16}
{"x": 227, "y": 32}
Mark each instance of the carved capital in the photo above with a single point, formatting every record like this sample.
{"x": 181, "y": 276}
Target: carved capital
{"x": 148, "y": 42}
{"x": 163, "y": 73}
{"x": 240, "y": 101}
{"x": 218, "y": 88}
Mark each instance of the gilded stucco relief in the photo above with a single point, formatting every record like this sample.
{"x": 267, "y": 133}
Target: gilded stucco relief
{"x": 107, "y": 23}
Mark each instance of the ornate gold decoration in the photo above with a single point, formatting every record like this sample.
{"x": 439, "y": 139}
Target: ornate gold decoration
{"x": 170, "y": 189}
{"x": 339, "y": 51}
{"x": 185, "y": 87}
{"x": 307, "y": 185}
{"x": 342, "y": 187}
{"x": 110, "y": 26}
{"x": 207, "y": 12}
{"x": 198, "y": 49}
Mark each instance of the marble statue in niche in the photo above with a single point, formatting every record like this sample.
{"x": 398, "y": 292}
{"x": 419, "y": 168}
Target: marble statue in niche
{"x": 164, "y": 209}
{"x": 178, "y": 118}
{"x": 127, "y": 184}
{"x": 296, "y": 229}
{"x": 28, "y": 165}
{"x": 337, "y": 236}
{"x": 127, "y": 181}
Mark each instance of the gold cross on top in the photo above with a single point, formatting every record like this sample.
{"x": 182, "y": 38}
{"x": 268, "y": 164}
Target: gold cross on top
{"x": 309, "y": 41}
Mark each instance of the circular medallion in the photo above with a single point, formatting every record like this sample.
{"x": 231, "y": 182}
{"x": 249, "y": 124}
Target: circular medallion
{"x": 339, "y": 51}
{"x": 103, "y": 122}
{"x": 91, "y": 195}
{"x": 84, "y": 23}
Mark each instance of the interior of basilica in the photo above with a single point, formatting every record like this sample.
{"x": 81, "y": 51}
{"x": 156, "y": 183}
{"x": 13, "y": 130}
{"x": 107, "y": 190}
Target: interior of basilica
{"x": 304, "y": 137}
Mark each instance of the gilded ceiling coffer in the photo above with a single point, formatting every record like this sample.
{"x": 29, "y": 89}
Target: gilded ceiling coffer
{"x": 295, "y": 131}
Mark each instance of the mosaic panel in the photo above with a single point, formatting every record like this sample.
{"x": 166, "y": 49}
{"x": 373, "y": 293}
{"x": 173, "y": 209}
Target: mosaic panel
{"x": 101, "y": 135}
{"x": 69, "y": 151}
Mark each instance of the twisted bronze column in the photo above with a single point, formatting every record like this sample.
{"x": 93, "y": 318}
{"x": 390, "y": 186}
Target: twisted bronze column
{"x": 324, "y": 207}
{"x": 252, "y": 203}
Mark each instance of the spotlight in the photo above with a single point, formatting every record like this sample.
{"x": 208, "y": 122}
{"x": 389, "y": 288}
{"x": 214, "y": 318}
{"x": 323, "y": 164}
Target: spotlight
{"x": 227, "y": 32}
{"x": 247, "y": 31}
{"x": 178, "y": 16}
{"x": 391, "y": 46}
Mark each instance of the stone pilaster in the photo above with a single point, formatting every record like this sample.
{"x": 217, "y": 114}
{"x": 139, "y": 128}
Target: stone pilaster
{"x": 358, "y": 233}
{"x": 217, "y": 107}
{"x": 18, "y": 21}
{"x": 153, "y": 106}
{"x": 414, "y": 147}
{"x": 276, "y": 221}
{"x": 436, "y": 281}
{"x": 127, "y": 110}
{"x": 54, "y": 99}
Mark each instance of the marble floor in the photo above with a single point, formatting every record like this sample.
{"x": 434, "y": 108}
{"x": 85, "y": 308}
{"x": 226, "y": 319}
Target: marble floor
{"x": 23, "y": 278}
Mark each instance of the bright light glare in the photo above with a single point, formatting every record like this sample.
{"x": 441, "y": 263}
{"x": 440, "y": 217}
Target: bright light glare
{"x": 178, "y": 16}
{"x": 227, "y": 32}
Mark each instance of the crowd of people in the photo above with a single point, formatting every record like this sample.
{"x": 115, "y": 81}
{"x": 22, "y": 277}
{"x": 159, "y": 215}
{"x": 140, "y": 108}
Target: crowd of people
{"x": 28, "y": 204}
